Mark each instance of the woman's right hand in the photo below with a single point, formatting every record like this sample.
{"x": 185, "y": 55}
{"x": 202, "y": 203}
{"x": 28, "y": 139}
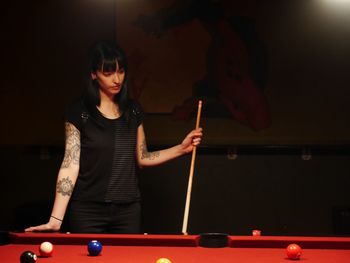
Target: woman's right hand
{"x": 51, "y": 226}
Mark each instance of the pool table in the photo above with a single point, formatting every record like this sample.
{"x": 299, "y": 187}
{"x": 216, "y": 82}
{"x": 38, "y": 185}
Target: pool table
{"x": 178, "y": 248}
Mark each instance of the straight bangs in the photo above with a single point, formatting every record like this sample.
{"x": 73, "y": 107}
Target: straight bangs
{"x": 111, "y": 64}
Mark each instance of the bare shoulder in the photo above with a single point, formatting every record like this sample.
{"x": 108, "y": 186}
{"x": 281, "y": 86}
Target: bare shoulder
{"x": 71, "y": 129}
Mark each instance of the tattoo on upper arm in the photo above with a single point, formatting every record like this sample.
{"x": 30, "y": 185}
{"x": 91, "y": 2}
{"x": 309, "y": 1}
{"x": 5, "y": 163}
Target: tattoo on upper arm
{"x": 147, "y": 155}
{"x": 72, "y": 151}
{"x": 65, "y": 186}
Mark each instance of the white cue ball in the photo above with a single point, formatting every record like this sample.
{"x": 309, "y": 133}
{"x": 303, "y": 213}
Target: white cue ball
{"x": 46, "y": 249}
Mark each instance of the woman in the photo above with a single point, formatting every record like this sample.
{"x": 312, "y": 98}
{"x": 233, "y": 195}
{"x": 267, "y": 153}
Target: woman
{"x": 105, "y": 140}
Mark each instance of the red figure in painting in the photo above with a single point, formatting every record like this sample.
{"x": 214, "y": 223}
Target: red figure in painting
{"x": 236, "y": 72}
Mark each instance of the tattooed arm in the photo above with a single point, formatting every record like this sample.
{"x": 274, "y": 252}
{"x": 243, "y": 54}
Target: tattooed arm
{"x": 66, "y": 179}
{"x": 146, "y": 158}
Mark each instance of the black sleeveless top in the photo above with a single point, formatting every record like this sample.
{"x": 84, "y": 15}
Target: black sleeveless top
{"x": 107, "y": 157}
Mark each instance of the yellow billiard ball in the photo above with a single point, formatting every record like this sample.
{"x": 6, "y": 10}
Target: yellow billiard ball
{"x": 163, "y": 260}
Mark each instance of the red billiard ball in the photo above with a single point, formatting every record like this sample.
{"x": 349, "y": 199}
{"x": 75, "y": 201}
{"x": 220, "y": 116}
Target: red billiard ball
{"x": 46, "y": 249}
{"x": 293, "y": 251}
{"x": 94, "y": 248}
{"x": 256, "y": 232}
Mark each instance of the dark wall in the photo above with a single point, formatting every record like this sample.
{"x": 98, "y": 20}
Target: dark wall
{"x": 279, "y": 194}
{"x": 43, "y": 58}
{"x": 44, "y": 44}
{"x": 299, "y": 52}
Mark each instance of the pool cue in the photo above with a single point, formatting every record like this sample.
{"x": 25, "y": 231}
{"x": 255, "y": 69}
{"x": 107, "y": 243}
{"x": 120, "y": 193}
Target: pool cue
{"x": 190, "y": 179}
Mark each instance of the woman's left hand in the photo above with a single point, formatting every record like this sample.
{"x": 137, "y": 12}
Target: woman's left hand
{"x": 192, "y": 139}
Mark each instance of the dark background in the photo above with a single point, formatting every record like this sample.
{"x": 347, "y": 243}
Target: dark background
{"x": 267, "y": 186}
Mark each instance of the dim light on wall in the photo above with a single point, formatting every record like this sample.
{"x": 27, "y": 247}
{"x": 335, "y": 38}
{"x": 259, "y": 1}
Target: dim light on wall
{"x": 333, "y": 12}
{"x": 335, "y": 3}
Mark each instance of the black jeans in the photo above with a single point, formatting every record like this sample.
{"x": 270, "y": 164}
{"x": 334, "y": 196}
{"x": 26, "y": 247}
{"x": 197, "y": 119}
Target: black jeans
{"x": 93, "y": 217}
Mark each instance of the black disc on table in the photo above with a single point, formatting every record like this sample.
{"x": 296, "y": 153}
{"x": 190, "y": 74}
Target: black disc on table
{"x": 213, "y": 240}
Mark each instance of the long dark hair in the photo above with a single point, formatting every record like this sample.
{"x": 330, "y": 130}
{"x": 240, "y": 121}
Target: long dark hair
{"x": 104, "y": 56}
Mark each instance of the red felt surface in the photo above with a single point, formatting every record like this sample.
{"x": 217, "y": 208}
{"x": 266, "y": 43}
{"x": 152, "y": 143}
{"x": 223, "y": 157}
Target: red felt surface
{"x": 144, "y": 252}
{"x": 134, "y": 254}
{"x": 284, "y": 241}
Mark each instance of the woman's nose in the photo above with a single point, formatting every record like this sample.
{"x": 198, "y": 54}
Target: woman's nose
{"x": 116, "y": 77}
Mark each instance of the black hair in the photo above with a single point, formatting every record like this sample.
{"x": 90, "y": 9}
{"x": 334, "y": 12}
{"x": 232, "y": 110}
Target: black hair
{"x": 106, "y": 56}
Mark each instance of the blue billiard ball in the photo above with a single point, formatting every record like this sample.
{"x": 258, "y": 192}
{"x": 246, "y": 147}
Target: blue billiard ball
{"x": 94, "y": 248}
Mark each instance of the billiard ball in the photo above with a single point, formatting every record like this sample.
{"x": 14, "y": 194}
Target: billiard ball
{"x": 163, "y": 260}
{"x": 28, "y": 257}
{"x": 94, "y": 248}
{"x": 256, "y": 232}
{"x": 293, "y": 251}
{"x": 46, "y": 249}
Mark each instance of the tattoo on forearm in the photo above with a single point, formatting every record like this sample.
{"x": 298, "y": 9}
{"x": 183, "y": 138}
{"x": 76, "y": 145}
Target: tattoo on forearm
{"x": 148, "y": 155}
{"x": 72, "y": 151}
{"x": 65, "y": 186}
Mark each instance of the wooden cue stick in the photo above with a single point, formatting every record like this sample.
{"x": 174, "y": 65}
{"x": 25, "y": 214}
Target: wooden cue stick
{"x": 190, "y": 179}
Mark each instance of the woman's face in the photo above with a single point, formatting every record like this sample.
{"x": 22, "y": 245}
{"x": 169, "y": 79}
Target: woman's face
{"x": 110, "y": 82}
